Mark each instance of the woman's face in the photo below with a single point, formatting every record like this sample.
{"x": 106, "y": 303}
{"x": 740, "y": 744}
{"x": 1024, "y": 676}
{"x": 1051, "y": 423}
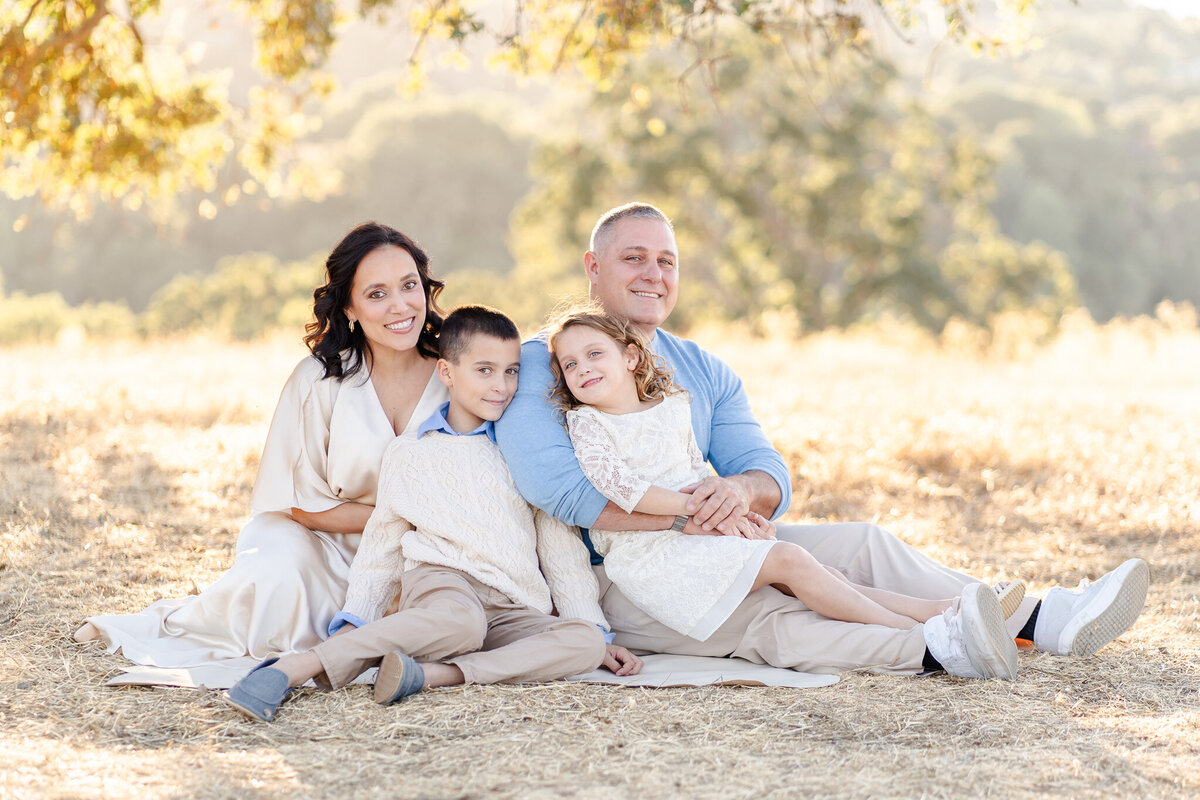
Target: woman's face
{"x": 387, "y": 299}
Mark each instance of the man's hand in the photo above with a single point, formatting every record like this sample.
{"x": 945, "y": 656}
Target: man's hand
{"x": 716, "y": 503}
{"x": 750, "y": 526}
{"x": 620, "y": 661}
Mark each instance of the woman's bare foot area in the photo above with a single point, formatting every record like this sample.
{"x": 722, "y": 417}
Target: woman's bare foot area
{"x": 87, "y": 633}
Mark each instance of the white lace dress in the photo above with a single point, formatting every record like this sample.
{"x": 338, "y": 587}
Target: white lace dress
{"x": 689, "y": 583}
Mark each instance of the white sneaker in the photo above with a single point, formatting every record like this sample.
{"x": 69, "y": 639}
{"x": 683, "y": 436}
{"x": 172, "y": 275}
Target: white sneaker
{"x": 972, "y": 642}
{"x": 1078, "y": 622}
{"x": 1010, "y": 594}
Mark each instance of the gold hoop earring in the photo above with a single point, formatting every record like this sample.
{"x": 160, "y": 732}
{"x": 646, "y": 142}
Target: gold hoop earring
{"x": 350, "y": 325}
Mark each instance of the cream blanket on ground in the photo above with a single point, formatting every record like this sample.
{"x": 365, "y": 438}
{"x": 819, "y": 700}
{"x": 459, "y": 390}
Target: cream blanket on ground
{"x": 660, "y": 671}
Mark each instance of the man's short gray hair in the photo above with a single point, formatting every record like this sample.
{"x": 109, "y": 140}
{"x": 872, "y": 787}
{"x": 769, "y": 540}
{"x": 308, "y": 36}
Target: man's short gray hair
{"x": 604, "y": 225}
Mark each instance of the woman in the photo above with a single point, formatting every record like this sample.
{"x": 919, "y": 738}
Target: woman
{"x": 370, "y": 377}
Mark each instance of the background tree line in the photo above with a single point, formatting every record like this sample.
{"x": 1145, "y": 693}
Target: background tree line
{"x": 836, "y": 193}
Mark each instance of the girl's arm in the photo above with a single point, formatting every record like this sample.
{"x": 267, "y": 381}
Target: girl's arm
{"x": 665, "y": 502}
{"x": 600, "y": 462}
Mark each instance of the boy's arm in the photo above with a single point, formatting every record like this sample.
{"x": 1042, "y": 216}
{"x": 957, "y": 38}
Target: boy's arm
{"x": 568, "y": 571}
{"x": 378, "y": 564}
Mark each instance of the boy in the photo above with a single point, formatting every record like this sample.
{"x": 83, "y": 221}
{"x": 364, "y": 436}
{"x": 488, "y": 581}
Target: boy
{"x": 474, "y": 607}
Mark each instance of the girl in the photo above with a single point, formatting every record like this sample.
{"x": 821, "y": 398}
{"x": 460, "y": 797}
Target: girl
{"x": 631, "y": 429}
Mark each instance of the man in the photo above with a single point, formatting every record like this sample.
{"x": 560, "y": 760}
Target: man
{"x": 633, "y": 270}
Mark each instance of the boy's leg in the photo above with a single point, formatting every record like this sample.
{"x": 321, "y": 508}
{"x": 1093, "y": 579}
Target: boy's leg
{"x": 440, "y": 616}
{"x": 524, "y": 645}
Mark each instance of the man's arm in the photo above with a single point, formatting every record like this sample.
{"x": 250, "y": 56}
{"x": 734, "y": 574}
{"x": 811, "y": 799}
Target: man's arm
{"x": 754, "y": 471}
{"x": 539, "y": 452}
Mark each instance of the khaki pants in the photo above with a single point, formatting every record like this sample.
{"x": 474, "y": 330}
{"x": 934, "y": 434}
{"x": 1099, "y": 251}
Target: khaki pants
{"x": 450, "y": 617}
{"x": 770, "y": 627}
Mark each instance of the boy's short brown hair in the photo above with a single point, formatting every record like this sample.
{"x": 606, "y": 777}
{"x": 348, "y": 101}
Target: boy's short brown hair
{"x": 466, "y": 322}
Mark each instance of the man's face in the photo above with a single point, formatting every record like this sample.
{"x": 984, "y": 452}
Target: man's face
{"x": 636, "y": 273}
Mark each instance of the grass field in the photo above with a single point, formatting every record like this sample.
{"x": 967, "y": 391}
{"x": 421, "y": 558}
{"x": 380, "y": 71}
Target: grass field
{"x": 125, "y": 471}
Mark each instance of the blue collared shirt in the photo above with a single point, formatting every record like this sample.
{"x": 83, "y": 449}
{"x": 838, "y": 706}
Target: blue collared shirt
{"x": 437, "y": 422}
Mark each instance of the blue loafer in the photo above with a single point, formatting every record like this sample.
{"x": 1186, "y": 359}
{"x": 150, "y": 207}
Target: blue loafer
{"x": 260, "y": 692}
{"x": 399, "y": 676}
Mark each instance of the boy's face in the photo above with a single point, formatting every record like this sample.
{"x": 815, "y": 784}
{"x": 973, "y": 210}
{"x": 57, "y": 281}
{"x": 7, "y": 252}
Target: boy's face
{"x": 482, "y": 381}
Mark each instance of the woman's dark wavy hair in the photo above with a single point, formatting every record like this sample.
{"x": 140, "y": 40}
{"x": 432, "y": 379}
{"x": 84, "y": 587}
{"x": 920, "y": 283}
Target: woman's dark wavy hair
{"x": 330, "y": 334}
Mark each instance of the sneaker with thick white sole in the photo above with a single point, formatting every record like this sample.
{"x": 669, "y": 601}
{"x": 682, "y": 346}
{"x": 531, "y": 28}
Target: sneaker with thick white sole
{"x": 1010, "y": 594}
{"x": 1078, "y": 622}
{"x": 971, "y": 642}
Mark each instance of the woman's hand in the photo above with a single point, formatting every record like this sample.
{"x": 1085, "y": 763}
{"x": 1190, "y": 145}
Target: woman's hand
{"x": 620, "y": 661}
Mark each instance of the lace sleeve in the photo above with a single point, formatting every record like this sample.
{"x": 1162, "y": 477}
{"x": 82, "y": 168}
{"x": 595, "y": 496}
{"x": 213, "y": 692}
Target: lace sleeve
{"x": 601, "y": 463}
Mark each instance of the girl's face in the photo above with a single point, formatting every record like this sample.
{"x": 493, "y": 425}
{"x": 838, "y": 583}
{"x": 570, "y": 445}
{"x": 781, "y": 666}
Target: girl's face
{"x": 387, "y": 300}
{"x": 597, "y": 370}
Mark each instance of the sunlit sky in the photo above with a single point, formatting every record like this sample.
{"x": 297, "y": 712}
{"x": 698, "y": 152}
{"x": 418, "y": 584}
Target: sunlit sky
{"x": 1180, "y": 8}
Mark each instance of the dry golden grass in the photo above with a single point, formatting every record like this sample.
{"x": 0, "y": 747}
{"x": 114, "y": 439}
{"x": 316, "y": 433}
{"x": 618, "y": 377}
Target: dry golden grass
{"x": 124, "y": 473}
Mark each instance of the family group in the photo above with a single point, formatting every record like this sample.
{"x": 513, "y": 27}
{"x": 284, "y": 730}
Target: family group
{"x": 438, "y": 499}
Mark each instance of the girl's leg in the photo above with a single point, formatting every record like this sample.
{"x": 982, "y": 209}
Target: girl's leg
{"x": 794, "y": 570}
{"x": 914, "y": 608}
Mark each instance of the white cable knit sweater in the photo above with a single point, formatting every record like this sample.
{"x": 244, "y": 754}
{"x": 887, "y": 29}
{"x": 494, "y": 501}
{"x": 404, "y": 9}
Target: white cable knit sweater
{"x": 450, "y": 501}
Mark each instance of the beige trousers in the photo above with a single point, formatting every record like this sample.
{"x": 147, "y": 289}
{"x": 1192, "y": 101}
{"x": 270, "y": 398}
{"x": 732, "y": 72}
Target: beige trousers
{"x": 770, "y": 627}
{"x": 450, "y": 617}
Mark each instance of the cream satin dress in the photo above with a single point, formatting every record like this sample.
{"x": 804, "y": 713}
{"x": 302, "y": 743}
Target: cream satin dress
{"x": 324, "y": 448}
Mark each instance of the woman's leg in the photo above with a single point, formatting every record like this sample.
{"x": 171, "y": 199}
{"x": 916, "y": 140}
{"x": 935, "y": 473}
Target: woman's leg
{"x": 793, "y": 569}
{"x": 283, "y": 587}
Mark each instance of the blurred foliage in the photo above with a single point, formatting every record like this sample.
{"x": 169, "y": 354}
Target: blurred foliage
{"x": 245, "y": 297}
{"x": 43, "y": 317}
{"x": 92, "y": 103}
{"x": 446, "y": 173}
{"x": 820, "y": 193}
{"x": 36, "y": 318}
{"x": 1084, "y": 146}
{"x": 1097, "y": 136}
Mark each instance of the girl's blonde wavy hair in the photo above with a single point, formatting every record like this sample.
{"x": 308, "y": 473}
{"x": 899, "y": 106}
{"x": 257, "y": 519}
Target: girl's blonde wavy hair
{"x": 652, "y": 376}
